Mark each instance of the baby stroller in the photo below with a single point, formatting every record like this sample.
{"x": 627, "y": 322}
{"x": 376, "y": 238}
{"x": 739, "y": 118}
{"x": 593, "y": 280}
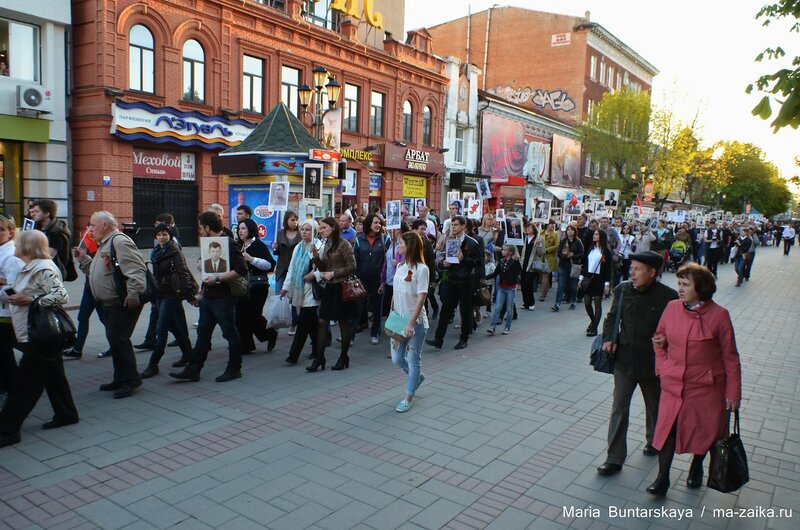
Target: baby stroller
{"x": 678, "y": 254}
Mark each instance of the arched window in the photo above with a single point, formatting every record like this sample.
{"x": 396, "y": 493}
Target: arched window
{"x": 426, "y": 126}
{"x": 408, "y": 121}
{"x": 193, "y": 71}
{"x": 141, "y": 70}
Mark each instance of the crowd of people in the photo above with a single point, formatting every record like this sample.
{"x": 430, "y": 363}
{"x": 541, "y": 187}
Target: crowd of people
{"x": 352, "y": 274}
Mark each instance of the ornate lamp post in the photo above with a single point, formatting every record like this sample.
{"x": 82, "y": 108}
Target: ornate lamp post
{"x": 305, "y": 93}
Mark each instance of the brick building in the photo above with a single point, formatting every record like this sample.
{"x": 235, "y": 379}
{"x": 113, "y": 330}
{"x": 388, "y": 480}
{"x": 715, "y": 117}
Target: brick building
{"x": 162, "y": 86}
{"x": 555, "y": 64}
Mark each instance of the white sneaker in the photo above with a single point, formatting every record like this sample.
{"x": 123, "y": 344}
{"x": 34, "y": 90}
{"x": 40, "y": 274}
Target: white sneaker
{"x": 490, "y": 331}
{"x": 292, "y": 330}
{"x": 374, "y": 340}
{"x": 506, "y": 331}
{"x": 195, "y": 324}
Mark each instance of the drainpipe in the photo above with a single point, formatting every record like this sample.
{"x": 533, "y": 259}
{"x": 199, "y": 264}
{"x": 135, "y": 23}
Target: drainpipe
{"x": 486, "y": 46}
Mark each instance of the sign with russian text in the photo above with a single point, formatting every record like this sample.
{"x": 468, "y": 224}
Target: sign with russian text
{"x": 414, "y": 186}
{"x": 140, "y": 121}
{"x": 421, "y": 160}
{"x": 149, "y": 163}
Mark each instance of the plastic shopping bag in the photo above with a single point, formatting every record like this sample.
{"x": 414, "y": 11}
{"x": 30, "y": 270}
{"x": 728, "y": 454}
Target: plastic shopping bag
{"x": 279, "y": 313}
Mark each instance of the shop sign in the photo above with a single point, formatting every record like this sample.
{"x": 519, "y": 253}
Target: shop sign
{"x": 355, "y": 154}
{"x": 350, "y": 8}
{"x": 414, "y": 186}
{"x": 140, "y": 121}
{"x": 150, "y": 163}
{"x": 323, "y": 155}
{"x": 424, "y": 161}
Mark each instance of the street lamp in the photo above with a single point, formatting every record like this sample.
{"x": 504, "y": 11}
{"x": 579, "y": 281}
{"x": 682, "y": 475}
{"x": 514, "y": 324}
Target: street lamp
{"x": 332, "y": 88}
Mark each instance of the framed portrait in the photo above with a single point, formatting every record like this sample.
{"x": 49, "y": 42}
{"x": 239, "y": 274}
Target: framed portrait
{"x": 393, "y": 214}
{"x": 474, "y": 209}
{"x": 460, "y": 203}
{"x": 484, "y": 192}
{"x": 555, "y": 214}
{"x": 451, "y": 251}
{"x": 312, "y": 184}
{"x": 419, "y": 203}
{"x": 599, "y": 210}
{"x": 28, "y": 224}
{"x": 468, "y": 195}
{"x": 453, "y": 196}
{"x": 214, "y": 256}
{"x": 279, "y": 196}
{"x": 611, "y": 198}
{"x": 513, "y": 231}
{"x": 500, "y": 215}
{"x": 540, "y": 210}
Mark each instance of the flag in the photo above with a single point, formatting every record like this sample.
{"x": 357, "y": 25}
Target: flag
{"x": 88, "y": 242}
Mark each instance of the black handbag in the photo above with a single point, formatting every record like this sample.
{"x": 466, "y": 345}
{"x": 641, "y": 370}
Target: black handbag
{"x": 601, "y": 360}
{"x": 728, "y": 471}
{"x": 120, "y": 281}
{"x": 50, "y": 330}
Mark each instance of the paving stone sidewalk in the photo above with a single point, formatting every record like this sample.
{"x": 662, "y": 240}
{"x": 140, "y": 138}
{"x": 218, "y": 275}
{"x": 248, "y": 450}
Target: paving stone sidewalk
{"x": 504, "y": 434}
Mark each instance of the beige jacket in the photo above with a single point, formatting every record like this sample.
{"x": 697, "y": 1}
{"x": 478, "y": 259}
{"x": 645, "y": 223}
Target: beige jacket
{"x": 100, "y": 270}
{"x": 40, "y": 277}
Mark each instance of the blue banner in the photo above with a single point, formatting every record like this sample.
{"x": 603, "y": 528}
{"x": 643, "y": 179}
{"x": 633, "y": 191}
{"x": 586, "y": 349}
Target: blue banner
{"x": 256, "y": 196}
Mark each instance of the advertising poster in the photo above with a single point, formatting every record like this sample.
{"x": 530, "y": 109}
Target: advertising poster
{"x": 566, "y": 162}
{"x": 537, "y": 160}
{"x": 255, "y": 196}
{"x": 503, "y": 148}
{"x": 332, "y": 129}
{"x": 349, "y": 186}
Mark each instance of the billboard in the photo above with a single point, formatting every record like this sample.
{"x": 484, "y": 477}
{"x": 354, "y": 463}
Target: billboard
{"x": 255, "y": 196}
{"x": 566, "y": 170}
{"x": 502, "y": 148}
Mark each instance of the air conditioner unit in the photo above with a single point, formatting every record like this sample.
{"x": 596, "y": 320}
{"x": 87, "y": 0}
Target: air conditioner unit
{"x": 34, "y": 98}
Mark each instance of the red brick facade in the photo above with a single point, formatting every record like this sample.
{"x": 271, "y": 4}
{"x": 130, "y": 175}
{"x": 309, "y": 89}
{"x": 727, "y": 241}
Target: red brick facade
{"x": 227, "y": 29}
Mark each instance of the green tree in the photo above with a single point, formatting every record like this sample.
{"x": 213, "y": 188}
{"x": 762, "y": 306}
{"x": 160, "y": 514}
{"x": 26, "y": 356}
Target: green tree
{"x": 617, "y": 130}
{"x": 782, "y": 85}
{"x": 747, "y": 177}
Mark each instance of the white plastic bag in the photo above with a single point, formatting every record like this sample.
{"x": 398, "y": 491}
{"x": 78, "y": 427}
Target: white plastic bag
{"x": 279, "y": 313}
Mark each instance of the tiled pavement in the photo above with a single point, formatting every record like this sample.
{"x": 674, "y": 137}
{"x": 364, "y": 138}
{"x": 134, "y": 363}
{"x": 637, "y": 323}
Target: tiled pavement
{"x": 505, "y": 434}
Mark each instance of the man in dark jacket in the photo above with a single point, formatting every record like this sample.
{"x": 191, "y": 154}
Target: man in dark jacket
{"x": 460, "y": 279}
{"x": 43, "y": 212}
{"x": 643, "y": 301}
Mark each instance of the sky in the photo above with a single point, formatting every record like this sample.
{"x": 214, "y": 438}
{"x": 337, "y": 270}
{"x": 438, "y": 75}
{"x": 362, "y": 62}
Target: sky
{"x": 704, "y": 50}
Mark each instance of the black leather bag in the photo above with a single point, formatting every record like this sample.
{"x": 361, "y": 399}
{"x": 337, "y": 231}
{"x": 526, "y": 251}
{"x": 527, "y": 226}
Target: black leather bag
{"x": 728, "y": 470}
{"x": 601, "y": 360}
{"x": 120, "y": 281}
{"x": 50, "y": 330}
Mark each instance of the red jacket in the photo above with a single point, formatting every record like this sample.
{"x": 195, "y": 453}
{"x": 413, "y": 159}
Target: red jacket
{"x": 699, "y": 370}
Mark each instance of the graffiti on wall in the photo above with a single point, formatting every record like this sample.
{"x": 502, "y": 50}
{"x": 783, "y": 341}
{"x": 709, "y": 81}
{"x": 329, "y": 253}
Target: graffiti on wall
{"x": 557, "y": 100}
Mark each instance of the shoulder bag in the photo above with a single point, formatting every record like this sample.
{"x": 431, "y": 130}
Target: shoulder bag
{"x": 353, "y": 289}
{"x": 728, "y": 470}
{"x": 601, "y": 360}
{"x": 150, "y": 293}
{"x": 50, "y": 330}
{"x": 587, "y": 280}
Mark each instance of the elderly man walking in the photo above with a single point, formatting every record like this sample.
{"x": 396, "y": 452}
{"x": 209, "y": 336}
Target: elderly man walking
{"x": 644, "y": 298}
{"x": 120, "y": 309}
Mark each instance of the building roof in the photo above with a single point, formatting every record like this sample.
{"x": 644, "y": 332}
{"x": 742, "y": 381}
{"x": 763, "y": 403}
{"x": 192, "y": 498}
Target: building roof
{"x": 279, "y": 132}
{"x": 623, "y": 48}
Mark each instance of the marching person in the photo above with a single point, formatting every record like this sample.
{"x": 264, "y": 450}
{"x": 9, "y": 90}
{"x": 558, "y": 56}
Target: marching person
{"x": 334, "y": 264}
{"x": 217, "y": 306}
{"x": 175, "y": 284}
{"x": 10, "y": 266}
{"x": 551, "y": 242}
{"x": 532, "y": 250}
{"x": 698, "y": 365}
{"x": 460, "y": 280}
{"x": 570, "y": 254}
{"x": 508, "y": 271}
{"x": 120, "y": 309}
{"x": 644, "y": 299}
{"x": 743, "y": 244}
{"x": 39, "y": 370}
{"x": 369, "y": 249}
{"x": 44, "y": 212}
{"x": 250, "y": 309}
{"x": 597, "y": 270}
{"x": 788, "y": 236}
{"x": 301, "y": 290}
{"x": 408, "y": 300}
{"x": 285, "y": 242}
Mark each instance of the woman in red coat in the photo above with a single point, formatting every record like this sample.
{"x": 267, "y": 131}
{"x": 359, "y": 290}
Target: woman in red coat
{"x": 698, "y": 364}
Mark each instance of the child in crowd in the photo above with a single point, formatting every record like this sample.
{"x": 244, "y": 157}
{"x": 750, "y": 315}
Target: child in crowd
{"x": 508, "y": 269}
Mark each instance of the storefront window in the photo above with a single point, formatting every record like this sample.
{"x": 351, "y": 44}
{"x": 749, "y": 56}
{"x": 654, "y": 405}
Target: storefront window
{"x": 193, "y": 71}
{"x": 19, "y": 50}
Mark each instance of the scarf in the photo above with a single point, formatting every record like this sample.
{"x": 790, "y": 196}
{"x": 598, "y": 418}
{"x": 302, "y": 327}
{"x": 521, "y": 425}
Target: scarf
{"x": 299, "y": 266}
{"x": 159, "y": 251}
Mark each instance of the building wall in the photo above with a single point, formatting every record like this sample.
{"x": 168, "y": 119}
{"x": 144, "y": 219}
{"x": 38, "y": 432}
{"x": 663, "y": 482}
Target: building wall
{"x": 42, "y": 166}
{"x": 227, "y": 29}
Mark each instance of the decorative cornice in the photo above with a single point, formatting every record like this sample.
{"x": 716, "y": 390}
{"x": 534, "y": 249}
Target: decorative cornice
{"x": 606, "y": 37}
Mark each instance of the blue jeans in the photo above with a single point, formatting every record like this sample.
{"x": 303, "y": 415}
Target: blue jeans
{"x": 505, "y": 299}
{"x": 566, "y": 285}
{"x": 215, "y": 311}
{"x": 408, "y": 356}
{"x": 88, "y": 305}
{"x": 278, "y": 286}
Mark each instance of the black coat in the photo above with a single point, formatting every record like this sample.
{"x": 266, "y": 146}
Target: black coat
{"x": 471, "y": 266}
{"x": 641, "y": 311}
{"x": 576, "y": 247}
{"x": 172, "y": 275}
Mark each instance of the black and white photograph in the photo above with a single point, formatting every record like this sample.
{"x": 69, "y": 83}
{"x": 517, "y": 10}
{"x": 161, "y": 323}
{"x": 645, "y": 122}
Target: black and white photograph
{"x": 279, "y": 196}
{"x": 468, "y": 195}
{"x": 513, "y": 231}
{"x": 611, "y": 198}
{"x": 484, "y": 192}
{"x": 312, "y": 183}
{"x": 453, "y": 196}
{"x": 555, "y": 214}
{"x": 393, "y": 215}
{"x": 418, "y": 204}
{"x": 460, "y": 204}
{"x": 214, "y": 253}
{"x": 451, "y": 251}
{"x": 500, "y": 215}
{"x": 540, "y": 210}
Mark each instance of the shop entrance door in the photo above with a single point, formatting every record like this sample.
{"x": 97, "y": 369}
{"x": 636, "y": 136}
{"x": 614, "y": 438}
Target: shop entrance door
{"x": 154, "y": 196}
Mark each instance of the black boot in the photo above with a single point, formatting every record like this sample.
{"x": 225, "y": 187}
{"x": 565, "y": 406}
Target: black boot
{"x": 186, "y": 355}
{"x": 316, "y": 365}
{"x": 150, "y": 371}
{"x": 660, "y": 486}
{"x": 695, "y": 478}
{"x": 342, "y": 363}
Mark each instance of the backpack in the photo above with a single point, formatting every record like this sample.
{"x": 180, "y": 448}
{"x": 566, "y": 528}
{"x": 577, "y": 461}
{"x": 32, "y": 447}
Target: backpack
{"x": 150, "y": 288}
